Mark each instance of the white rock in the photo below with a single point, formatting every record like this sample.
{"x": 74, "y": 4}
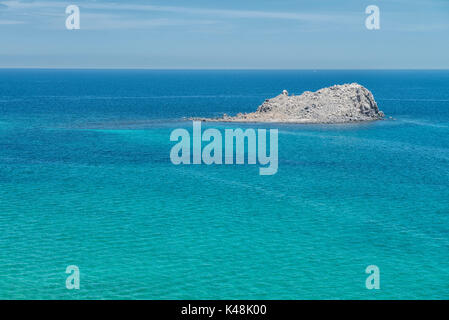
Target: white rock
{"x": 336, "y": 104}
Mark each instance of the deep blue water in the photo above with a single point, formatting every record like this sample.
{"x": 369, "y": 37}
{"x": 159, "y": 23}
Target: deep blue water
{"x": 86, "y": 179}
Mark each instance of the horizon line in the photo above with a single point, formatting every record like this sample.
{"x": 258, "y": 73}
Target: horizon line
{"x": 221, "y": 69}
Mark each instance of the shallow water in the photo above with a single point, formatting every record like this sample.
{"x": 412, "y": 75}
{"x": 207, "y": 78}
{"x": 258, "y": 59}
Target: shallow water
{"x": 86, "y": 179}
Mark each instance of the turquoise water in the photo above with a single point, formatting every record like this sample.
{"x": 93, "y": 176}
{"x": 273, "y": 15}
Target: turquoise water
{"x": 86, "y": 179}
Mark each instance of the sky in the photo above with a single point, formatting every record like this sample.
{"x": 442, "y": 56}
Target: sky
{"x": 231, "y": 34}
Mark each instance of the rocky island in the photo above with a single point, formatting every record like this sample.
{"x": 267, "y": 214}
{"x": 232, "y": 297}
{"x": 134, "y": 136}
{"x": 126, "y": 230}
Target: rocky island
{"x": 336, "y": 104}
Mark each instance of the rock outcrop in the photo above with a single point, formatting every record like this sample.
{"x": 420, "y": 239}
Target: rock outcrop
{"x": 336, "y": 104}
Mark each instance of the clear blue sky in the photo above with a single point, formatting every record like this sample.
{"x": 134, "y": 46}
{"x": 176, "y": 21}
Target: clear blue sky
{"x": 280, "y": 34}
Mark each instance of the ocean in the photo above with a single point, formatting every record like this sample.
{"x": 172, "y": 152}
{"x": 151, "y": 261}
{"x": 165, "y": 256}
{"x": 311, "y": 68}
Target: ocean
{"x": 86, "y": 180}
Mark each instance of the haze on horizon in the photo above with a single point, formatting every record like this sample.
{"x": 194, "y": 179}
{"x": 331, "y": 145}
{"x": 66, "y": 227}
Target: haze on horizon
{"x": 205, "y": 34}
